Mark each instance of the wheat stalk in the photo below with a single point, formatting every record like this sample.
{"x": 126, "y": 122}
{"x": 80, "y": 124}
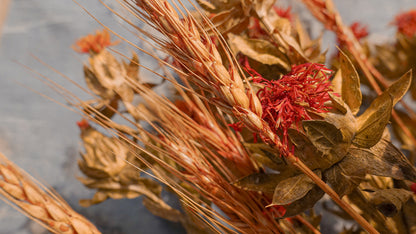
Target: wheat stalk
{"x": 41, "y": 205}
{"x": 191, "y": 47}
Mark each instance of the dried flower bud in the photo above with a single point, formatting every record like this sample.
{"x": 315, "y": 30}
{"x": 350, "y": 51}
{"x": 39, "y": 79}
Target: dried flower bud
{"x": 94, "y": 43}
{"x": 406, "y": 23}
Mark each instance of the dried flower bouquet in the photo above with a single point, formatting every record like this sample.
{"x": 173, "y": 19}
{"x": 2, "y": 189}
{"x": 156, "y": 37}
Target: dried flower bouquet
{"x": 258, "y": 126}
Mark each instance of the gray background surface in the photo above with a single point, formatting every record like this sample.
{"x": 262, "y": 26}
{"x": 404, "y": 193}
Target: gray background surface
{"x": 42, "y": 137}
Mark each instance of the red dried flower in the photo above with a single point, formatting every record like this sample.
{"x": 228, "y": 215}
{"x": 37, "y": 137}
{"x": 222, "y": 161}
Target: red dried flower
{"x": 406, "y": 23}
{"x": 288, "y": 100}
{"x": 94, "y": 43}
{"x": 360, "y": 31}
{"x": 284, "y": 13}
{"x": 83, "y": 124}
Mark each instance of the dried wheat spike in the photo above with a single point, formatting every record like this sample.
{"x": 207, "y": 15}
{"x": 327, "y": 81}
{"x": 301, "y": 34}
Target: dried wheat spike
{"x": 194, "y": 50}
{"x": 41, "y": 205}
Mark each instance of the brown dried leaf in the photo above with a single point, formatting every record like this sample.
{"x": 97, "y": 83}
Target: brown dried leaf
{"x": 262, "y": 182}
{"x": 261, "y": 151}
{"x": 307, "y": 152}
{"x": 95, "y": 86}
{"x": 390, "y": 201}
{"x": 293, "y": 188}
{"x": 305, "y": 203}
{"x": 346, "y": 175}
{"x": 162, "y": 210}
{"x": 373, "y": 121}
{"x": 338, "y": 103}
{"x": 409, "y": 214}
{"x": 346, "y": 123}
{"x": 326, "y": 138}
{"x": 132, "y": 69}
{"x": 337, "y": 82}
{"x": 260, "y": 50}
{"x": 350, "y": 90}
{"x": 399, "y": 88}
{"x": 384, "y": 159}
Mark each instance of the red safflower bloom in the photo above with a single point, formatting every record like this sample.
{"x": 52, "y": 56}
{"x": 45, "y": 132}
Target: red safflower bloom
{"x": 359, "y": 30}
{"x": 284, "y": 13}
{"x": 406, "y": 23}
{"x": 94, "y": 43}
{"x": 83, "y": 124}
{"x": 288, "y": 101}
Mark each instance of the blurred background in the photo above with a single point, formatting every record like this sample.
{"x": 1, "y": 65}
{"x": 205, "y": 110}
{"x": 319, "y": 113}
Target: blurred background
{"x": 43, "y": 138}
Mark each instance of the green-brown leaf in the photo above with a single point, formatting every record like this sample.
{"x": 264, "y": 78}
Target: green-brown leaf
{"x": 293, "y": 188}
{"x": 346, "y": 175}
{"x": 384, "y": 159}
{"x": 390, "y": 201}
{"x": 350, "y": 90}
{"x": 373, "y": 121}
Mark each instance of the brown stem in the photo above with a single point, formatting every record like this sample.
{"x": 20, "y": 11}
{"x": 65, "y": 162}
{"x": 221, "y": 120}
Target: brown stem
{"x": 328, "y": 190}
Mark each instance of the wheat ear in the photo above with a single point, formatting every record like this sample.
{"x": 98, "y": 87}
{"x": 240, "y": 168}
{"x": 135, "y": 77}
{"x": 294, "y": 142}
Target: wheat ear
{"x": 196, "y": 54}
{"x": 41, "y": 205}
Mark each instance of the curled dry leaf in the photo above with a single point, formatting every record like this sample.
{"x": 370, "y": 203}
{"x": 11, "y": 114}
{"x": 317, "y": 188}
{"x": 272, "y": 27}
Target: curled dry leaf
{"x": 390, "y": 201}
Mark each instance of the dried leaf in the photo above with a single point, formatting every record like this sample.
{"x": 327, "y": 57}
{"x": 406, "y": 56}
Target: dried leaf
{"x": 132, "y": 69}
{"x": 409, "y": 214}
{"x": 338, "y": 103}
{"x": 162, "y": 210}
{"x": 326, "y": 138}
{"x": 261, "y": 182}
{"x": 346, "y": 175}
{"x": 293, "y": 188}
{"x": 262, "y": 150}
{"x": 337, "y": 82}
{"x": 399, "y": 88}
{"x": 384, "y": 159}
{"x": 373, "y": 121}
{"x": 390, "y": 201}
{"x": 305, "y": 203}
{"x": 307, "y": 152}
{"x": 260, "y": 50}
{"x": 346, "y": 123}
{"x": 350, "y": 91}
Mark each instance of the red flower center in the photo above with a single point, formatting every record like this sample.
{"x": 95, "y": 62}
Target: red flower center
{"x": 406, "y": 23}
{"x": 289, "y": 100}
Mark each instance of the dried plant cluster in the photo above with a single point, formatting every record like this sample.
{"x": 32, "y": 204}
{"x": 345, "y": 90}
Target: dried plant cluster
{"x": 258, "y": 125}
